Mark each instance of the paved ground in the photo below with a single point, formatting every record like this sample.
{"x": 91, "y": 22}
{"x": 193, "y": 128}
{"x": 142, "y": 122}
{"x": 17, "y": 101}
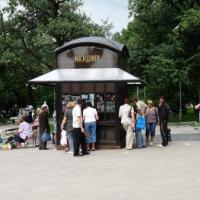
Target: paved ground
{"x": 154, "y": 173}
{"x": 151, "y": 173}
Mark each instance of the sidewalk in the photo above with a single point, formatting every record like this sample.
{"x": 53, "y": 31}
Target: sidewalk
{"x": 178, "y": 132}
{"x": 5, "y": 127}
{"x": 152, "y": 173}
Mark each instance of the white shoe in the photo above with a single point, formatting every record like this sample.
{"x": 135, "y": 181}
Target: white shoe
{"x": 160, "y": 145}
{"x": 151, "y": 144}
{"x": 70, "y": 152}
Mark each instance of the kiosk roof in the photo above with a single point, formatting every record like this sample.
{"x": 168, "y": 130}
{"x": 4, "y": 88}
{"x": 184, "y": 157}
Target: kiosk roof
{"x": 86, "y": 75}
{"x": 92, "y": 40}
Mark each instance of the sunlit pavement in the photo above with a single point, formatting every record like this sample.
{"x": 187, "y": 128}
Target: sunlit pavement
{"x": 161, "y": 173}
{"x": 170, "y": 172}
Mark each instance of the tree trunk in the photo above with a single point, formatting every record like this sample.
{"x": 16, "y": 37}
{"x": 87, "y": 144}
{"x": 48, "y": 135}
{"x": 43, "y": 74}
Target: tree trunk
{"x": 198, "y": 89}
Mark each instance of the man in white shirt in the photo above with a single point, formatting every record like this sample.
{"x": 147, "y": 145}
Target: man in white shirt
{"x": 126, "y": 113}
{"x": 79, "y": 132}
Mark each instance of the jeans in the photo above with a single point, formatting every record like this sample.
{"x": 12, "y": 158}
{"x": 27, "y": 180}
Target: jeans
{"x": 42, "y": 145}
{"x": 139, "y": 138}
{"x": 150, "y": 129}
{"x": 90, "y": 128}
{"x": 70, "y": 136}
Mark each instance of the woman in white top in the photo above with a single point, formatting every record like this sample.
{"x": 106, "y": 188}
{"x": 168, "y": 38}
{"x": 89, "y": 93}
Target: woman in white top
{"x": 90, "y": 116}
{"x": 23, "y": 133}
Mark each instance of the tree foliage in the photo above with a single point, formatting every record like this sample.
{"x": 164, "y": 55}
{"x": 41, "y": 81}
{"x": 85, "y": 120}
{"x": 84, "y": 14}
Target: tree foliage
{"x": 164, "y": 42}
{"x": 29, "y": 32}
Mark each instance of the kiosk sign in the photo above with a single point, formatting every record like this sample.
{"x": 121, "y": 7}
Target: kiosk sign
{"x": 86, "y": 59}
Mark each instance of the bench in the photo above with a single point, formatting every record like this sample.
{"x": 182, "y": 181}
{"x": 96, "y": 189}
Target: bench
{"x": 14, "y": 120}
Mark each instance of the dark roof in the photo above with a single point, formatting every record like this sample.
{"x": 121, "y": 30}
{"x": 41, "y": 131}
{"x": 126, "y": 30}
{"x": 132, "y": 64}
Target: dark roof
{"x": 116, "y": 46}
{"x": 86, "y": 75}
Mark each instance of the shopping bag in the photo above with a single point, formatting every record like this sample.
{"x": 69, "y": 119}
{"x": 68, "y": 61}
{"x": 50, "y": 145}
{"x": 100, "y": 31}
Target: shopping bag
{"x": 45, "y": 137}
{"x": 63, "y": 139}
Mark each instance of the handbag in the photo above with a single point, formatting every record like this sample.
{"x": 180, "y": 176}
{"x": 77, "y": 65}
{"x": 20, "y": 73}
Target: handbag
{"x": 140, "y": 122}
{"x": 45, "y": 137}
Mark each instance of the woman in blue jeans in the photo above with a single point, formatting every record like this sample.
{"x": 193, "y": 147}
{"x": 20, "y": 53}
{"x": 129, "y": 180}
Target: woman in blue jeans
{"x": 89, "y": 117}
{"x": 152, "y": 118}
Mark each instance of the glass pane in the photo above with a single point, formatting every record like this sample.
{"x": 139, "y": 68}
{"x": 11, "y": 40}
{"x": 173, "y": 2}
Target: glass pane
{"x": 110, "y": 102}
{"x": 100, "y": 102}
{"x": 88, "y": 97}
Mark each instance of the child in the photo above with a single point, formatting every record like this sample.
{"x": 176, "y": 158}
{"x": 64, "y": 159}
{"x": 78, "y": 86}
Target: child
{"x": 140, "y": 128}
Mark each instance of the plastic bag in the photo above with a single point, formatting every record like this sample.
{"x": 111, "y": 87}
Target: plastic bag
{"x": 6, "y": 147}
{"x": 63, "y": 140}
{"x": 46, "y": 137}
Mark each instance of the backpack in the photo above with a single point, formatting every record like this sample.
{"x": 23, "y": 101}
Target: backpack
{"x": 140, "y": 122}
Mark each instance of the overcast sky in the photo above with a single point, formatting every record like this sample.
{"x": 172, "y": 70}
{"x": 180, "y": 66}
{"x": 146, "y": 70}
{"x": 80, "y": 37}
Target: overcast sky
{"x": 115, "y": 11}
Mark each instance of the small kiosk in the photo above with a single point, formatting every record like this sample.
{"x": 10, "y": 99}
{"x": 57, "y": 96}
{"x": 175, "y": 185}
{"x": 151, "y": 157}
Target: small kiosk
{"x": 92, "y": 68}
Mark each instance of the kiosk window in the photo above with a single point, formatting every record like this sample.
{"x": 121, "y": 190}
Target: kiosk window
{"x": 100, "y": 102}
{"x": 88, "y": 97}
{"x": 110, "y": 103}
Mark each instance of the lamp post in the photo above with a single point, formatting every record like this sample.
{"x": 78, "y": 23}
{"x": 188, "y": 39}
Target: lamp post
{"x": 137, "y": 91}
{"x": 180, "y": 101}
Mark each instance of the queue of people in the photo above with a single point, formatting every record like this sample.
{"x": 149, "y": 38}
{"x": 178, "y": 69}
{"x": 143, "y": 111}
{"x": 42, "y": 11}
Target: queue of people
{"x": 79, "y": 121}
{"x": 139, "y": 120}
{"x": 142, "y": 119}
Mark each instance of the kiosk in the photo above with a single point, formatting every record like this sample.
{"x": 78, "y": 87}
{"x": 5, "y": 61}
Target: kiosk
{"x": 92, "y": 68}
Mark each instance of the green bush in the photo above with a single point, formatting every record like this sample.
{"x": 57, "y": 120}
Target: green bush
{"x": 188, "y": 117}
{"x": 2, "y": 120}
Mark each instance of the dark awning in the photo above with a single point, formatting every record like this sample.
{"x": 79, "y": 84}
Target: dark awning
{"x": 86, "y": 75}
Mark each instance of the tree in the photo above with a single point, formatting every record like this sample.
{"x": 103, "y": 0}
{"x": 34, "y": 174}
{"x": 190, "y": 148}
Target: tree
{"x": 29, "y": 33}
{"x": 163, "y": 41}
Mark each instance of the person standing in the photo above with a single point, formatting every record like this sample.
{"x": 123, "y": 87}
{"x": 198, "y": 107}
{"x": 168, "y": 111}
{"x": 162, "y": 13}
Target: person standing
{"x": 163, "y": 112}
{"x": 43, "y": 126}
{"x": 126, "y": 113}
{"x": 35, "y": 125}
{"x": 79, "y": 132}
{"x": 152, "y": 119}
{"x": 197, "y": 107}
{"x": 67, "y": 123}
{"x": 140, "y": 126}
{"x": 89, "y": 117}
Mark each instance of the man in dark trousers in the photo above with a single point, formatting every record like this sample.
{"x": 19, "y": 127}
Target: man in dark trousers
{"x": 79, "y": 132}
{"x": 43, "y": 126}
{"x": 163, "y": 112}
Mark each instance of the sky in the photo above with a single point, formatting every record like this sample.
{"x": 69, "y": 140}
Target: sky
{"x": 115, "y": 11}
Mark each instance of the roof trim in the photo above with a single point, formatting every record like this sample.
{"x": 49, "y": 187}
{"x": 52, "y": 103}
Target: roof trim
{"x": 86, "y": 75}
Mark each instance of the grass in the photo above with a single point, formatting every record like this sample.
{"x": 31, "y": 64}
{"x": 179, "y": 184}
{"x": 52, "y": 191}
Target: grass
{"x": 188, "y": 117}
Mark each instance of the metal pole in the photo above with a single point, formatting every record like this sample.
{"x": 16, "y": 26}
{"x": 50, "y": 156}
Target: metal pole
{"x": 137, "y": 91}
{"x": 54, "y": 99}
{"x": 180, "y": 103}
